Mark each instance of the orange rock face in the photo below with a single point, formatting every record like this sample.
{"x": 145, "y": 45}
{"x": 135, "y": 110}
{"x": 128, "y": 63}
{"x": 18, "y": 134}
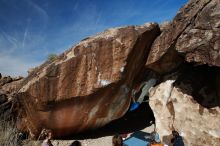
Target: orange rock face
{"x": 87, "y": 86}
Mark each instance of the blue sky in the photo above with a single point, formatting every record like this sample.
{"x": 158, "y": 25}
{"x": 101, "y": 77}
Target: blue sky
{"x": 32, "y": 29}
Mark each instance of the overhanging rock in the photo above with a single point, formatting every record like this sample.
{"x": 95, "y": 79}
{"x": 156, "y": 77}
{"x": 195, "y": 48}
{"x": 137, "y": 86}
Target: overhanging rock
{"x": 192, "y": 36}
{"x": 87, "y": 86}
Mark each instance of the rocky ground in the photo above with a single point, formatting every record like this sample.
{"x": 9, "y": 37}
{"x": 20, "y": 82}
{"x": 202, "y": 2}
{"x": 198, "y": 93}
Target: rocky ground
{"x": 102, "y": 141}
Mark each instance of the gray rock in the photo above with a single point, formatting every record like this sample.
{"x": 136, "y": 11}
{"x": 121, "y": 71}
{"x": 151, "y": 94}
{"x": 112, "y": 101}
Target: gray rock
{"x": 3, "y": 98}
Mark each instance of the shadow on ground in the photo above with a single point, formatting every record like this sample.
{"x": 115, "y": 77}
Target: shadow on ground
{"x": 130, "y": 122}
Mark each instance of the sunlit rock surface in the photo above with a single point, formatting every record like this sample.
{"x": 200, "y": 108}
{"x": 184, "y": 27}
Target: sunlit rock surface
{"x": 187, "y": 56}
{"x": 87, "y": 86}
{"x": 189, "y": 103}
{"x": 193, "y": 35}
{"x": 179, "y": 111}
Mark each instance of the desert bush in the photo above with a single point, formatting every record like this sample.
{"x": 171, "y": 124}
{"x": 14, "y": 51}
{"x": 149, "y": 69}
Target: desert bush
{"x": 52, "y": 57}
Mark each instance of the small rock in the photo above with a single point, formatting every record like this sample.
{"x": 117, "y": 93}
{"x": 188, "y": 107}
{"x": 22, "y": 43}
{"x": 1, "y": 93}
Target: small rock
{"x": 30, "y": 70}
{"x": 5, "y": 80}
{"x": 18, "y": 78}
{"x": 3, "y": 98}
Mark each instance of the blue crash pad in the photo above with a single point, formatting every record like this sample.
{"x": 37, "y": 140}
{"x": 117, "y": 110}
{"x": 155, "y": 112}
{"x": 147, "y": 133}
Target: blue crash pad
{"x": 133, "y": 141}
{"x": 134, "y": 106}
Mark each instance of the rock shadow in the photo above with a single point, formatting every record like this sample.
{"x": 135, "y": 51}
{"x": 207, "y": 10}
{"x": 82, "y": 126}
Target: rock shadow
{"x": 202, "y": 83}
{"x": 132, "y": 121}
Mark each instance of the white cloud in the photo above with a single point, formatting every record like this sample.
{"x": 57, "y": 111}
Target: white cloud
{"x": 21, "y": 48}
{"x": 41, "y": 12}
{"x": 16, "y": 55}
{"x": 15, "y": 65}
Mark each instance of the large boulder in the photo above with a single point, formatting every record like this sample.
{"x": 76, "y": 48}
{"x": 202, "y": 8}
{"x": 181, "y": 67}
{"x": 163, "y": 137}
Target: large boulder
{"x": 87, "y": 86}
{"x": 187, "y": 53}
{"x": 189, "y": 103}
{"x": 200, "y": 42}
{"x": 193, "y": 35}
{"x": 178, "y": 111}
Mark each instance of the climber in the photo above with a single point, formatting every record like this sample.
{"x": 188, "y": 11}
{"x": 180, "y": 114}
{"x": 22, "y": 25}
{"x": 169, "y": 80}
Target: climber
{"x": 124, "y": 135}
{"x": 134, "y": 105}
{"x": 145, "y": 87}
{"x": 76, "y": 143}
{"x": 117, "y": 140}
{"x": 139, "y": 94}
{"x": 48, "y": 135}
{"x": 154, "y": 139}
{"x": 156, "y": 144}
{"x": 177, "y": 140}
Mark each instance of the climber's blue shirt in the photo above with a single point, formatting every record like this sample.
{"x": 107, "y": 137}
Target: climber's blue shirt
{"x": 134, "y": 106}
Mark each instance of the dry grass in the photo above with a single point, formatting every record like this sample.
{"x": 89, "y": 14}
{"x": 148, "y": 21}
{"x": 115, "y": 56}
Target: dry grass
{"x": 8, "y": 132}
